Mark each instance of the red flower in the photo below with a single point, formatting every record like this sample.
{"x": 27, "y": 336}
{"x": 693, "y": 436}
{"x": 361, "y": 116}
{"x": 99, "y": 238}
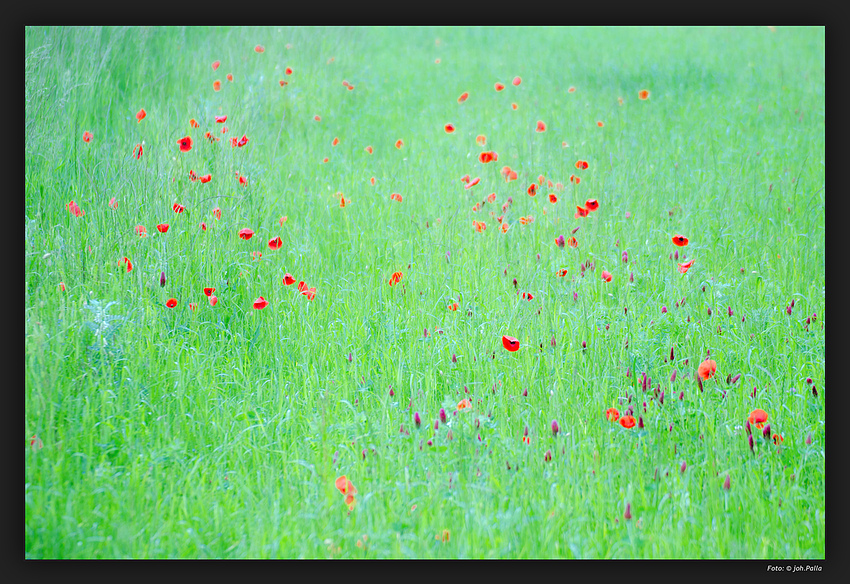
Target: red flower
{"x": 194, "y": 123}
{"x": 162, "y": 227}
{"x": 532, "y": 189}
{"x": 216, "y": 213}
{"x": 288, "y": 71}
{"x": 499, "y": 86}
{"x": 612, "y": 414}
{"x": 310, "y": 293}
{"x": 581, "y": 212}
{"x": 399, "y": 144}
{"x": 141, "y": 231}
{"x": 75, "y": 209}
{"x": 707, "y": 369}
{"x": 260, "y": 303}
{"x": 141, "y": 114}
{"x": 463, "y": 97}
{"x": 473, "y": 182}
{"x": 643, "y": 94}
{"x": 213, "y": 300}
{"x": 246, "y": 233}
{"x": 335, "y": 142}
{"x": 215, "y": 65}
{"x": 481, "y": 139}
{"x": 288, "y": 280}
{"x": 193, "y": 306}
{"x": 209, "y": 291}
{"x": 627, "y": 421}
{"x": 581, "y": 164}
{"x": 229, "y": 77}
{"x": 260, "y": 48}
{"x": 137, "y": 151}
{"x": 514, "y": 106}
{"x": 395, "y": 278}
{"x": 216, "y": 85}
{"x": 488, "y": 156}
{"x": 87, "y": 136}
{"x": 553, "y": 198}
{"x": 113, "y": 202}
{"x": 572, "y": 242}
{"x": 396, "y": 197}
{"x": 680, "y": 240}
{"x": 449, "y": 128}
{"x": 541, "y": 127}
{"x": 275, "y": 243}
{"x": 368, "y": 149}
{"x": 242, "y": 141}
{"x": 600, "y": 123}
{"x": 591, "y": 204}
{"x": 683, "y": 268}
{"x": 453, "y": 307}
{"x": 510, "y": 343}
{"x": 185, "y": 144}
{"x": 517, "y": 80}
{"x": 571, "y": 89}
{"x": 345, "y": 486}
{"x": 171, "y": 303}
{"x": 220, "y": 119}
{"x": 206, "y": 179}
{"x": 178, "y": 208}
{"x": 203, "y": 226}
{"x": 758, "y": 417}
{"x": 606, "y": 275}
{"x": 574, "y": 179}
{"x": 129, "y": 264}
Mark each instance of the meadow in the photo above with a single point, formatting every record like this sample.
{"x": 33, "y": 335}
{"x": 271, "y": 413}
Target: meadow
{"x": 424, "y": 292}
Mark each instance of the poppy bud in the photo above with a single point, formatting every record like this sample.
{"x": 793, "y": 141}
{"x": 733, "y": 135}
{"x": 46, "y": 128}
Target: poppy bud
{"x": 416, "y": 419}
{"x": 162, "y": 279}
{"x": 555, "y": 428}
{"x": 443, "y": 415}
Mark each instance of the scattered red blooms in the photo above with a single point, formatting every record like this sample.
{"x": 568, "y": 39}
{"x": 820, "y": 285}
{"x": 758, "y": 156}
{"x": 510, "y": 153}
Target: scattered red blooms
{"x": 581, "y": 212}
{"x": 205, "y": 179}
{"x": 129, "y": 264}
{"x": 246, "y": 233}
{"x": 486, "y": 157}
{"x": 137, "y": 151}
{"x": 141, "y": 231}
{"x": 220, "y": 119}
{"x": 185, "y": 144}
{"x": 606, "y": 275}
{"x": 288, "y": 71}
{"x": 517, "y": 80}
{"x": 216, "y": 85}
{"x": 395, "y": 278}
{"x": 481, "y": 139}
{"x": 707, "y": 369}
{"x": 288, "y": 280}
{"x": 87, "y": 136}
{"x": 627, "y": 421}
{"x": 591, "y": 204}
{"x": 683, "y": 268}
{"x": 369, "y": 149}
{"x": 275, "y": 243}
{"x": 209, "y": 291}
{"x": 581, "y": 164}
{"x": 260, "y": 303}
{"x": 680, "y": 240}
{"x": 141, "y": 115}
{"x": 113, "y": 203}
{"x": 396, "y": 197}
{"x": 194, "y": 123}
{"x": 162, "y": 227}
{"x": 532, "y": 190}
{"x": 75, "y": 210}
{"x": 229, "y": 77}
{"x": 310, "y": 293}
{"x": 473, "y": 182}
{"x": 178, "y": 208}
{"x": 171, "y": 303}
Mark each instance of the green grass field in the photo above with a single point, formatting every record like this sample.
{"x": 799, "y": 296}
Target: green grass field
{"x": 219, "y": 431}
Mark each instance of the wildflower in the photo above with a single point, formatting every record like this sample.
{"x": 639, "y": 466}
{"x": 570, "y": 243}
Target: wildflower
{"x": 464, "y": 404}
{"x": 246, "y": 233}
{"x": 612, "y": 414}
{"x": 449, "y": 128}
{"x": 555, "y": 428}
{"x": 185, "y": 144}
{"x": 510, "y": 343}
{"x": 87, "y": 136}
{"x": 275, "y": 243}
{"x": 162, "y": 227}
{"x": 707, "y": 369}
{"x": 757, "y": 417}
{"x": 499, "y": 86}
{"x": 606, "y": 275}
{"x": 680, "y": 240}
{"x": 643, "y": 94}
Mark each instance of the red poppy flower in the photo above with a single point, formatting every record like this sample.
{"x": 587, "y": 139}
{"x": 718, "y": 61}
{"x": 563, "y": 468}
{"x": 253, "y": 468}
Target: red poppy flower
{"x": 75, "y": 209}
{"x": 368, "y": 149}
{"x": 504, "y": 228}
{"x": 185, "y": 144}
{"x": 206, "y": 179}
{"x": 141, "y": 231}
{"x": 260, "y": 48}
{"x": 571, "y": 90}
{"x": 499, "y": 86}
{"x": 481, "y": 139}
{"x": 194, "y": 123}
{"x": 283, "y": 220}
{"x": 510, "y": 343}
{"x": 514, "y": 106}
{"x": 325, "y": 160}
{"x": 541, "y": 127}
{"x": 395, "y": 278}
{"x": 343, "y": 202}
{"x": 216, "y": 65}
{"x": 606, "y": 275}
{"x": 310, "y": 293}
{"x": 527, "y": 296}
{"x": 213, "y": 300}
{"x": 129, "y": 264}
{"x": 581, "y": 212}
{"x": 137, "y": 151}
{"x": 178, "y": 208}
{"x": 212, "y": 139}
{"x": 246, "y": 233}
{"x": 707, "y": 369}
{"x": 473, "y": 182}
{"x": 612, "y": 415}
{"x": 372, "y": 180}
{"x": 517, "y": 80}
{"x": 243, "y": 181}
{"x": 553, "y": 198}
{"x": 683, "y": 268}
{"x": 335, "y": 142}
{"x": 758, "y": 417}
{"x": 574, "y": 179}
{"x": 229, "y": 77}
{"x": 216, "y": 85}
{"x": 162, "y": 227}
{"x": 220, "y": 119}
{"x": 317, "y": 118}
{"x": 203, "y": 226}
{"x": 209, "y": 291}
{"x": 242, "y": 141}
{"x": 562, "y": 272}
{"x": 643, "y": 94}
{"x": 288, "y": 280}
{"x": 449, "y": 128}
{"x": 600, "y": 124}
{"x": 141, "y": 114}
{"x": 572, "y": 242}
{"x": 275, "y": 243}
{"x": 591, "y": 204}
{"x": 512, "y": 175}
{"x": 216, "y": 213}
{"x": 288, "y": 71}
{"x": 260, "y": 303}
{"x": 87, "y": 136}
{"x": 463, "y": 97}
{"x": 680, "y": 240}
{"x": 113, "y": 203}
{"x": 491, "y": 198}
{"x": 627, "y": 421}
{"x": 345, "y": 486}
{"x": 396, "y": 197}
{"x": 532, "y": 189}
{"x": 480, "y": 226}
{"x": 453, "y": 306}
{"x": 171, "y": 303}
{"x": 581, "y": 164}
{"x": 399, "y": 144}
{"x": 486, "y": 157}
{"x": 193, "y": 306}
